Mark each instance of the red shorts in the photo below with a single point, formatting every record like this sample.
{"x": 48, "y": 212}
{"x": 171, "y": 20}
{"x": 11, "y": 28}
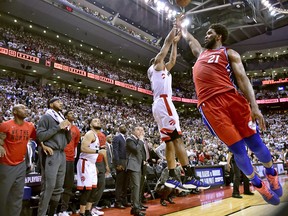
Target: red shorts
{"x": 228, "y": 116}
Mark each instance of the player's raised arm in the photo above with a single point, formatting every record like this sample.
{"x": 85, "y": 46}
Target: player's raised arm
{"x": 194, "y": 44}
{"x": 159, "y": 59}
{"x": 173, "y": 55}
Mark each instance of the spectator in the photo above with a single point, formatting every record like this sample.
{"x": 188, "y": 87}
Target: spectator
{"x": 14, "y": 137}
{"x": 55, "y": 133}
{"x": 135, "y": 158}
{"x": 70, "y": 158}
{"x": 122, "y": 181}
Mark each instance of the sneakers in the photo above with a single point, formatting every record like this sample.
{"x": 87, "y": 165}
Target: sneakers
{"x": 173, "y": 183}
{"x": 93, "y": 214}
{"x": 275, "y": 186}
{"x": 268, "y": 195}
{"x": 96, "y": 212}
{"x": 193, "y": 183}
{"x": 63, "y": 213}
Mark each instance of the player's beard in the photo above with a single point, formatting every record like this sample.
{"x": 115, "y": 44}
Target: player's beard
{"x": 210, "y": 44}
{"x": 96, "y": 127}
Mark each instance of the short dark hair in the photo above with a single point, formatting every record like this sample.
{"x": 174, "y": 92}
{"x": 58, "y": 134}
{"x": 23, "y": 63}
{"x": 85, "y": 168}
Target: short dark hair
{"x": 66, "y": 113}
{"x": 220, "y": 30}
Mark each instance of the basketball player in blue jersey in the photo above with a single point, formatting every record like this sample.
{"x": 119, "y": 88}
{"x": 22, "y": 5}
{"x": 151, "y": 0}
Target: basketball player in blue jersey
{"x": 166, "y": 115}
{"x": 231, "y": 115}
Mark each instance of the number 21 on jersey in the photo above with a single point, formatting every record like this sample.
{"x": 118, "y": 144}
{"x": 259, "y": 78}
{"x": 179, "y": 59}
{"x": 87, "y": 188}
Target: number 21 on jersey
{"x": 213, "y": 59}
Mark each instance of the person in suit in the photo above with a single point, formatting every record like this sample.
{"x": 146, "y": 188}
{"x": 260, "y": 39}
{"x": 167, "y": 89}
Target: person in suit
{"x": 135, "y": 158}
{"x": 146, "y": 156}
{"x": 119, "y": 160}
{"x": 236, "y": 178}
{"x": 109, "y": 149}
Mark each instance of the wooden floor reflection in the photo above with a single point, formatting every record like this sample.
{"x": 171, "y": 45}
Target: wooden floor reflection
{"x": 247, "y": 206}
{"x": 213, "y": 202}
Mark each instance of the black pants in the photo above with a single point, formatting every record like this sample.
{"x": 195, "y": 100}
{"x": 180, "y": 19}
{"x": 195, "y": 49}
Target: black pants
{"x": 100, "y": 183}
{"x": 121, "y": 185}
{"x": 237, "y": 179}
{"x": 68, "y": 185}
{"x": 164, "y": 192}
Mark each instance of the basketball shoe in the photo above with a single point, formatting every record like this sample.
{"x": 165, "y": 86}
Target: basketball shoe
{"x": 192, "y": 183}
{"x": 275, "y": 186}
{"x": 96, "y": 212}
{"x": 173, "y": 183}
{"x": 268, "y": 195}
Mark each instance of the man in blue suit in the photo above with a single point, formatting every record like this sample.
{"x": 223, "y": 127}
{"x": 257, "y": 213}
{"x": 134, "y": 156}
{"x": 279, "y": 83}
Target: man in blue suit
{"x": 119, "y": 161}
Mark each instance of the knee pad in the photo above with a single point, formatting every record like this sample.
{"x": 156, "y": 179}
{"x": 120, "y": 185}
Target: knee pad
{"x": 173, "y": 136}
{"x": 257, "y": 146}
{"x": 241, "y": 157}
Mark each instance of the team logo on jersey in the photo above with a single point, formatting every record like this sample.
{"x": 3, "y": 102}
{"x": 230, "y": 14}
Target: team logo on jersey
{"x": 252, "y": 125}
{"x": 163, "y": 75}
{"x": 82, "y": 178}
{"x": 168, "y": 73}
{"x": 172, "y": 122}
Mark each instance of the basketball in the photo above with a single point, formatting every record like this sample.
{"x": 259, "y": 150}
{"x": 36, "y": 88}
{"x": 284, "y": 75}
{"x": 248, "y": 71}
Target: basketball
{"x": 183, "y": 3}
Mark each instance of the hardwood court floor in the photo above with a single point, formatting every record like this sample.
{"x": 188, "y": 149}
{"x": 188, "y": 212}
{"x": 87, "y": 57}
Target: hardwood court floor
{"x": 213, "y": 202}
{"x": 248, "y": 205}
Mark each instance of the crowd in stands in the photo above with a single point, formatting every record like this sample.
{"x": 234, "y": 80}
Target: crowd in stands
{"x": 201, "y": 146}
{"x": 264, "y": 63}
{"x": 268, "y": 94}
{"x": 96, "y": 14}
{"x": 44, "y": 48}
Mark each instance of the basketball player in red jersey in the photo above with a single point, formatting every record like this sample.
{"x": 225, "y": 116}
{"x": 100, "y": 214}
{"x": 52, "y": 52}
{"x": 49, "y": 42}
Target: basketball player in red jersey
{"x": 166, "y": 115}
{"x": 228, "y": 114}
{"x": 17, "y": 133}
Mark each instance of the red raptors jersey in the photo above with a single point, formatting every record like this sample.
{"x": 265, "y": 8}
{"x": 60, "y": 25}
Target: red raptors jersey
{"x": 212, "y": 74}
{"x": 102, "y": 140}
{"x": 70, "y": 148}
{"x": 15, "y": 143}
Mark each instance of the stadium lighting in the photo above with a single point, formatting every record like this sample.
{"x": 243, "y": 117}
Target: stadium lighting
{"x": 274, "y": 7}
{"x": 185, "y": 23}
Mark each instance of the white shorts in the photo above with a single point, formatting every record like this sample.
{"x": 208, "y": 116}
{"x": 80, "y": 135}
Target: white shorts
{"x": 86, "y": 174}
{"x": 166, "y": 116}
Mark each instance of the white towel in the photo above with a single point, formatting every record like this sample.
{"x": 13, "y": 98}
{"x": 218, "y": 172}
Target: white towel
{"x": 55, "y": 115}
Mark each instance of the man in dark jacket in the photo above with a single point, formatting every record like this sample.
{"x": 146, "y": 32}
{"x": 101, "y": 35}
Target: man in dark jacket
{"x": 135, "y": 158}
{"x": 119, "y": 161}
